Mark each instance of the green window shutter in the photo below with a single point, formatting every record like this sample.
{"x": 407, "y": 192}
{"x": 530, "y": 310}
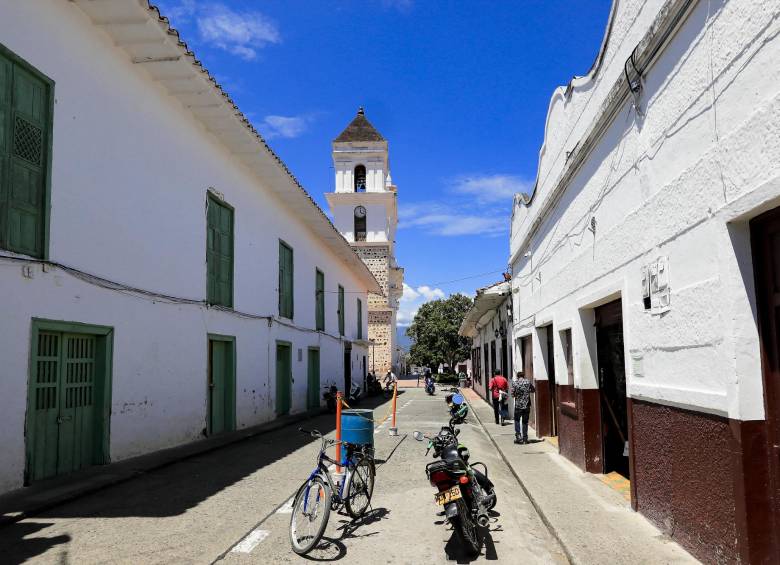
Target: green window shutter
{"x": 359, "y": 319}
{"x": 341, "y": 310}
{"x": 25, "y": 137}
{"x": 219, "y": 253}
{"x": 319, "y": 296}
{"x": 286, "y": 304}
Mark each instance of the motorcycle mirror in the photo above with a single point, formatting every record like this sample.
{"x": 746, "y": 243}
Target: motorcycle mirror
{"x": 418, "y": 435}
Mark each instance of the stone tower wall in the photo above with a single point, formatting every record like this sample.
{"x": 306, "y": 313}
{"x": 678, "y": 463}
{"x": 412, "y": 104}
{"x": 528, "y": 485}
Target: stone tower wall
{"x": 380, "y": 356}
{"x": 380, "y": 317}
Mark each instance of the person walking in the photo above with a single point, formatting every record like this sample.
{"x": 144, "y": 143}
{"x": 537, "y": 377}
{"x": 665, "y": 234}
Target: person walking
{"x": 521, "y": 392}
{"x": 497, "y": 384}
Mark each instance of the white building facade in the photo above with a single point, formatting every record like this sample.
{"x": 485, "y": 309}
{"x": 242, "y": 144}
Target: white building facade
{"x": 365, "y": 210}
{"x": 644, "y": 268}
{"x": 489, "y": 324}
{"x": 165, "y": 275}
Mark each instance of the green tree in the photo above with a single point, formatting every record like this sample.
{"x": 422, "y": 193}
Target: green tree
{"x": 434, "y": 332}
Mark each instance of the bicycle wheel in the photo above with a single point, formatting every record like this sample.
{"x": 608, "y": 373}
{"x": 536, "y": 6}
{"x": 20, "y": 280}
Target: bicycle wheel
{"x": 311, "y": 510}
{"x": 361, "y": 487}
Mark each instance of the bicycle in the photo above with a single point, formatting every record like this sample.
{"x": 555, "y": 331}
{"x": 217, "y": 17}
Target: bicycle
{"x": 318, "y": 496}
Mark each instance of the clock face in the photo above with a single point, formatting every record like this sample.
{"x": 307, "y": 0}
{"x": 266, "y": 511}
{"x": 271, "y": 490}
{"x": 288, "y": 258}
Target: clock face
{"x": 360, "y": 212}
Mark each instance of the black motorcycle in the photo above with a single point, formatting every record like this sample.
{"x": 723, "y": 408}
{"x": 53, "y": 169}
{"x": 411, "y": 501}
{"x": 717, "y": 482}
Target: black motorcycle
{"x": 330, "y": 397}
{"x": 465, "y": 492}
{"x": 430, "y": 387}
{"x": 374, "y": 386}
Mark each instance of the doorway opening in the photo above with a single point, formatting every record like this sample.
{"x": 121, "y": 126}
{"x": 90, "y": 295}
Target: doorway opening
{"x": 504, "y": 360}
{"x": 68, "y": 398}
{"x": 283, "y": 377}
{"x": 612, "y": 388}
{"x": 313, "y": 366}
{"x": 765, "y": 243}
{"x": 347, "y": 368}
{"x": 528, "y": 372}
{"x": 222, "y": 385}
{"x": 553, "y": 397}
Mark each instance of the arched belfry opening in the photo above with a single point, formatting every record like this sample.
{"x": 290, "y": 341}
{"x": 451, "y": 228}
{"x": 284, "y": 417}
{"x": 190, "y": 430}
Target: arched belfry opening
{"x": 360, "y": 223}
{"x": 360, "y": 178}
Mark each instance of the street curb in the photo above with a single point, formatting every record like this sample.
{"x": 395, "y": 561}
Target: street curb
{"x": 193, "y": 449}
{"x": 535, "y": 504}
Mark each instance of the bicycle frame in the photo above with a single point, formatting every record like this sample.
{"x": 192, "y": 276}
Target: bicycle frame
{"x": 322, "y": 471}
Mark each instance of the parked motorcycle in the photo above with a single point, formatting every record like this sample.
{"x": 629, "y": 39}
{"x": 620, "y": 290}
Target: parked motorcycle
{"x": 374, "y": 386}
{"x": 465, "y": 492}
{"x": 457, "y": 407}
{"x": 330, "y": 397}
{"x": 355, "y": 394}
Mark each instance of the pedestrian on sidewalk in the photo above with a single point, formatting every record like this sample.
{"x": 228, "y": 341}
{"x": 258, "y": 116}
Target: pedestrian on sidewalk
{"x": 521, "y": 392}
{"x": 497, "y": 384}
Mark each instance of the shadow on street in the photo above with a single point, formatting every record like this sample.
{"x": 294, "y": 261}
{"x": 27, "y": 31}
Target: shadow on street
{"x": 175, "y": 488}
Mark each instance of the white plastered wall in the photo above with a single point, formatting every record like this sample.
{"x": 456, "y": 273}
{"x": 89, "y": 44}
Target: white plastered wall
{"x": 130, "y": 173}
{"x": 680, "y": 181}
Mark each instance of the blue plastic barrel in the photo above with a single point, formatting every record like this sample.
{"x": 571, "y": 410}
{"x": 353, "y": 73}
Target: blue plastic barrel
{"x": 357, "y": 426}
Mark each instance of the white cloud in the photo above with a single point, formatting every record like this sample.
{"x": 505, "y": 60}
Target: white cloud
{"x": 283, "y": 126}
{"x": 412, "y": 299}
{"x": 475, "y": 205}
{"x": 452, "y": 220}
{"x": 239, "y": 33}
{"x": 488, "y": 189}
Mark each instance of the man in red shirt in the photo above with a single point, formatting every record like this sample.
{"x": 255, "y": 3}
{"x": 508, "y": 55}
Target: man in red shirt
{"x": 497, "y": 384}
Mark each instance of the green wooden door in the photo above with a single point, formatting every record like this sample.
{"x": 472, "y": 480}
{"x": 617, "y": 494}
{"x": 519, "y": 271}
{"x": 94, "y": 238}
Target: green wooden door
{"x": 222, "y": 397}
{"x": 24, "y": 131}
{"x": 313, "y": 397}
{"x": 283, "y": 378}
{"x": 64, "y": 431}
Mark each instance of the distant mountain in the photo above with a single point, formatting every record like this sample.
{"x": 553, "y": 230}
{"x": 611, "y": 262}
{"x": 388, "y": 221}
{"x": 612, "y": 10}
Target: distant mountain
{"x": 403, "y": 341}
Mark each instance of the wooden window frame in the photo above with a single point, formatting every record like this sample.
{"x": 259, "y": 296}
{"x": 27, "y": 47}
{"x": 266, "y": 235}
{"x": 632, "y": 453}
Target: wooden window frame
{"x": 46, "y": 210}
{"x": 283, "y": 292}
{"x": 213, "y": 198}
{"x": 319, "y": 300}
{"x": 359, "y": 319}
{"x": 340, "y": 309}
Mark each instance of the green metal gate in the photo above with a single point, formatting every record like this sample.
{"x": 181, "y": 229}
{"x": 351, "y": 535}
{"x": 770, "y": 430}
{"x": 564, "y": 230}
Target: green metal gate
{"x": 67, "y": 425}
{"x": 222, "y": 396}
{"x": 313, "y": 397}
{"x": 283, "y": 378}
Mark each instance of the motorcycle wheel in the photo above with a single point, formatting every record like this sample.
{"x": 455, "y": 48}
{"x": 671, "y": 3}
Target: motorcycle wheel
{"x": 467, "y": 529}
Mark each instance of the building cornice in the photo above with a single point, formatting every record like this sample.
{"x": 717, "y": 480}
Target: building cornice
{"x": 666, "y": 24}
{"x": 146, "y": 36}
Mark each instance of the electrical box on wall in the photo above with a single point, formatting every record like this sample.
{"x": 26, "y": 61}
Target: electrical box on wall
{"x": 656, "y": 294}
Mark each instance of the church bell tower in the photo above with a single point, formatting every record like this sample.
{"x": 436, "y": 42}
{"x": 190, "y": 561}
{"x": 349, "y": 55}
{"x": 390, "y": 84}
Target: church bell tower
{"x": 364, "y": 206}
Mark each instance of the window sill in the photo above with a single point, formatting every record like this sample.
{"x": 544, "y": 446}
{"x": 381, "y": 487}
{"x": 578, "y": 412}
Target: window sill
{"x": 569, "y": 409}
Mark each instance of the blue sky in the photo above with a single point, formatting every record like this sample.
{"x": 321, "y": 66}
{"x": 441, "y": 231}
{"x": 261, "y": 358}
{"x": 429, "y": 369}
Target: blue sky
{"x": 459, "y": 89}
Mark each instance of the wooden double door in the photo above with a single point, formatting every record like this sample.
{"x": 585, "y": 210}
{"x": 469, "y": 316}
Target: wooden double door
{"x": 68, "y": 400}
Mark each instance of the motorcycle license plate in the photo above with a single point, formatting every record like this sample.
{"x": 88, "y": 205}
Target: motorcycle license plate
{"x": 447, "y": 496}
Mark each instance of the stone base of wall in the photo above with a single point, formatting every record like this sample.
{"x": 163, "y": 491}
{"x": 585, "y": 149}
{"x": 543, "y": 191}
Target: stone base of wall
{"x": 702, "y": 479}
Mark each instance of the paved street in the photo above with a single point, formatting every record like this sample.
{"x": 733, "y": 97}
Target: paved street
{"x": 231, "y": 505}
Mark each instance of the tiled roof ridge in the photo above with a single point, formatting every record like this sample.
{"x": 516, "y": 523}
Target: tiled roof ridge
{"x": 189, "y": 53}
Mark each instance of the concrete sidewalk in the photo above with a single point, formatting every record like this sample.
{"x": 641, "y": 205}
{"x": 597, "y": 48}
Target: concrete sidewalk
{"x": 29, "y": 501}
{"x": 593, "y": 522}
